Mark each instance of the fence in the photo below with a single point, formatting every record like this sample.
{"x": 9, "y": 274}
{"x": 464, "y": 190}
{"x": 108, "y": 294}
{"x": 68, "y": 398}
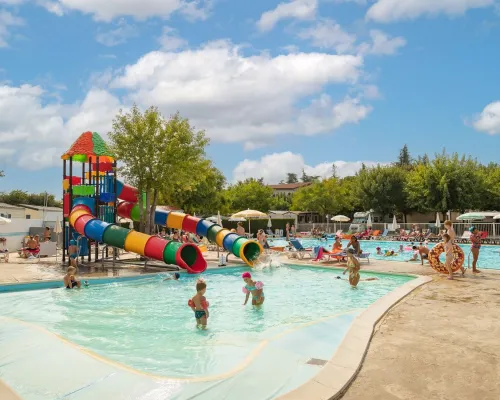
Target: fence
{"x": 17, "y": 230}
{"x": 492, "y": 228}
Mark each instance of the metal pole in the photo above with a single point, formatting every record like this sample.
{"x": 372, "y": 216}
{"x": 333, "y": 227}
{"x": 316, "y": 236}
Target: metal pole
{"x": 64, "y": 218}
{"x": 70, "y": 230}
{"x": 98, "y": 214}
{"x": 90, "y": 183}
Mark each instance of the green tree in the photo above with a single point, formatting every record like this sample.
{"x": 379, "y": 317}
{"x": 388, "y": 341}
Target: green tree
{"x": 381, "y": 189}
{"x": 404, "y": 159}
{"x": 250, "y": 193}
{"x": 15, "y": 197}
{"x": 334, "y": 171}
{"x": 324, "y": 197}
{"x": 291, "y": 178}
{"x": 490, "y": 180}
{"x": 160, "y": 155}
{"x": 445, "y": 183}
{"x": 281, "y": 203}
{"x": 206, "y": 197}
{"x": 308, "y": 178}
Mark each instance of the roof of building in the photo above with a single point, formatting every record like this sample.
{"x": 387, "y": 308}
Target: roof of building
{"x": 41, "y": 208}
{"x": 289, "y": 186}
{"x": 5, "y": 205}
{"x": 293, "y": 212}
{"x": 168, "y": 208}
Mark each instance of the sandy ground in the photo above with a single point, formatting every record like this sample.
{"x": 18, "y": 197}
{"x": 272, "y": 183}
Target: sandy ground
{"x": 441, "y": 342}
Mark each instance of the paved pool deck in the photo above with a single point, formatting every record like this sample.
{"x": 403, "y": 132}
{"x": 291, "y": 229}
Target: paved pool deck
{"x": 439, "y": 342}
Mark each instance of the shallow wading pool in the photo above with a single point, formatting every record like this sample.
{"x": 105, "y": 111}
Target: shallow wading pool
{"x": 147, "y": 325}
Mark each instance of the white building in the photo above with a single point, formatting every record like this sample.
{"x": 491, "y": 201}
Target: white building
{"x": 10, "y": 211}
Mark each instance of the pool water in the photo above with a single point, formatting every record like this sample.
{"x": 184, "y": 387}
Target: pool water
{"x": 489, "y": 257}
{"x": 147, "y": 324}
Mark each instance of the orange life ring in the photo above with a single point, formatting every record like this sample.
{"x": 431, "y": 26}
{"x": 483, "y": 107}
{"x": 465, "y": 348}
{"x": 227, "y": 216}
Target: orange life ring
{"x": 438, "y": 266}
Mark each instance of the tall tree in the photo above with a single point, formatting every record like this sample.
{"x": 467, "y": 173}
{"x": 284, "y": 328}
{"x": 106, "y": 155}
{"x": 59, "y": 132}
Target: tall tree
{"x": 324, "y": 197}
{"x": 381, "y": 188}
{"x": 291, "y": 178}
{"x": 160, "y": 155}
{"x": 250, "y": 193}
{"x": 334, "y": 171}
{"x": 308, "y": 178}
{"x": 404, "y": 159}
{"x": 446, "y": 183}
{"x": 205, "y": 197}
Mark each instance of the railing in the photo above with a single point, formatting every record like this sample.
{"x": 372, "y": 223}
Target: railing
{"x": 492, "y": 228}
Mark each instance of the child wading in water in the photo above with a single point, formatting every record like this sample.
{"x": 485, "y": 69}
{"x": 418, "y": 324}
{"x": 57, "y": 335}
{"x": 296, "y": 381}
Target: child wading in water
{"x": 69, "y": 279}
{"x": 254, "y": 288}
{"x": 353, "y": 267}
{"x": 199, "y": 304}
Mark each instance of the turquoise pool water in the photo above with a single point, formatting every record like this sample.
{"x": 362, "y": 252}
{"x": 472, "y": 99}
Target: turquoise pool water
{"x": 489, "y": 257}
{"x": 147, "y": 324}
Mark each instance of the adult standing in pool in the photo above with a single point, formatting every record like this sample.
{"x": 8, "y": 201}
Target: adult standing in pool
{"x": 475, "y": 239}
{"x": 287, "y": 231}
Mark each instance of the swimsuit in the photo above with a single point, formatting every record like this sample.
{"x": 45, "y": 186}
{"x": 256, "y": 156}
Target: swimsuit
{"x": 73, "y": 284}
{"x": 73, "y": 255}
{"x": 198, "y": 314}
{"x": 476, "y": 241}
{"x": 255, "y": 297}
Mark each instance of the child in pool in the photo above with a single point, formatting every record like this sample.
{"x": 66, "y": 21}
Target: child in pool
{"x": 199, "y": 304}
{"x": 401, "y": 248}
{"x": 390, "y": 253}
{"x": 73, "y": 254}
{"x": 254, "y": 288}
{"x": 174, "y": 277}
{"x": 69, "y": 279}
{"x": 448, "y": 249}
{"x": 353, "y": 267}
{"x": 416, "y": 253}
{"x": 379, "y": 252}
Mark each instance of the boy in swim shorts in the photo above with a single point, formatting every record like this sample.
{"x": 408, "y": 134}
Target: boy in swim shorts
{"x": 73, "y": 253}
{"x": 199, "y": 304}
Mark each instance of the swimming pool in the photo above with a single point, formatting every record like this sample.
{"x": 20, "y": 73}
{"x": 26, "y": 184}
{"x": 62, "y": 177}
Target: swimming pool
{"x": 489, "y": 257}
{"x": 148, "y": 326}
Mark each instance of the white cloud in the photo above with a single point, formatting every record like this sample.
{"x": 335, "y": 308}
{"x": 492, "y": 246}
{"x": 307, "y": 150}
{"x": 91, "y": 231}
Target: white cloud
{"x": 274, "y": 167}
{"x": 295, "y": 9}
{"x": 327, "y": 34}
{"x": 109, "y": 9}
{"x": 118, "y": 35}
{"x": 46, "y": 130}
{"x": 245, "y": 99}
{"x": 7, "y": 21}
{"x": 489, "y": 119}
{"x": 382, "y": 44}
{"x": 397, "y": 10}
{"x": 170, "y": 40}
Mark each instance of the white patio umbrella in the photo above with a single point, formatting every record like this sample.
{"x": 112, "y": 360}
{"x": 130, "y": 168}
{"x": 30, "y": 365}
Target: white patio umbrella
{"x": 269, "y": 223}
{"x": 471, "y": 217}
{"x": 369, "y": 222}
{"x": 5, "y": 221}
{"x": 339, "y": 218}
{"x": 438, "y": 221}
{"x": 394, "y": 225}
{"x": 219, "y": 219}
{"x": 496, "y": 216}
{"x": 237, "y": 219}
{"x": 248, "y": 214}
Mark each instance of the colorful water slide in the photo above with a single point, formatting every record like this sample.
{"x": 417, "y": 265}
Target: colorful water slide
{"x": 185, "y": 255}
{"x": 248, "y": 250}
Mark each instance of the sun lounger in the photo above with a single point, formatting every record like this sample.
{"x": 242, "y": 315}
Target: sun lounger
{"x": 301, "y": 250}
{"x": 465, "y": 237}
{"x": 375, "y": 235}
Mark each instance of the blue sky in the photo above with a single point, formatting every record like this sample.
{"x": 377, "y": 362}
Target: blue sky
{"x": 278, "y": 86}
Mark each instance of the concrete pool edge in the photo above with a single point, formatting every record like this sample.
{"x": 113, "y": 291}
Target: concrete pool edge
{"x": 337, "y": 375}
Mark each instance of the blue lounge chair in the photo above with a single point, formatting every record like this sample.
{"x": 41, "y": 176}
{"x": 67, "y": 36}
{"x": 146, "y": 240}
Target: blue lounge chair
{"x": 301, "y": 250}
